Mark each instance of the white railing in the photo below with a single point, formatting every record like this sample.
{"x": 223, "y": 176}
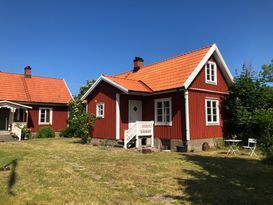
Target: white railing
{"x": 17, "y": 129}
{"x": 139, "y": 129}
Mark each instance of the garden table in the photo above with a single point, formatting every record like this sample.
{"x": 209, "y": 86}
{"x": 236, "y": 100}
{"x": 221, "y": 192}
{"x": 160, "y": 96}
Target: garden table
{"x": 233, "y": 146}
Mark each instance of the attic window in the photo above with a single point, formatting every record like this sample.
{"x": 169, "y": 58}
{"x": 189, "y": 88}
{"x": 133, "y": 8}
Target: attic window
{"x": 211, "y": 73}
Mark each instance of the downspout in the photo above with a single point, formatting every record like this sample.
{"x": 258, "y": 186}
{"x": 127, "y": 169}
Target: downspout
{"x": 187, "y": 117}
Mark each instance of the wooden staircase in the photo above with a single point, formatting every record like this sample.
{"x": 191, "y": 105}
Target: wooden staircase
{"x": 137, "y": 130}
{"x": 5, "y": 136}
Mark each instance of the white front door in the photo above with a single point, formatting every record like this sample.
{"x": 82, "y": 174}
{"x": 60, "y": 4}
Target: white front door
{"x": 135, "y": 111}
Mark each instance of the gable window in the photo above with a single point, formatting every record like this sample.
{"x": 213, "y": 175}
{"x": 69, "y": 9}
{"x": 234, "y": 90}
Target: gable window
{"x": 163, "y": 111}
{"x": 211, "y": 73}
{"x": 212, "y": 111}
{"x": 100, "y": 110}
{"x": 45, "y": 116}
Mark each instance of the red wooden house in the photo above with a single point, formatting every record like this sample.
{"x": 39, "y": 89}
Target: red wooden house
{"x": 173, "y": 102}
{"x": 33, "y": 101}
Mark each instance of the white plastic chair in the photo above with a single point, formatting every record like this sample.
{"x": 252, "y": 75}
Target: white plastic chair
{"x": 251, "y": 145}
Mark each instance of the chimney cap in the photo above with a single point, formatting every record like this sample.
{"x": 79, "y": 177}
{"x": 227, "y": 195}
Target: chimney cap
{"x": 138, "y": 59}
{"x": 28, "y": 67}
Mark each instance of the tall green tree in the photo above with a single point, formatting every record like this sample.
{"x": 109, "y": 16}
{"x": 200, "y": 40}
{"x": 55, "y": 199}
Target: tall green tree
{"x": 84, "y": 88}
{"x": 248, "y": 109}
{"x": 267, "y": 72}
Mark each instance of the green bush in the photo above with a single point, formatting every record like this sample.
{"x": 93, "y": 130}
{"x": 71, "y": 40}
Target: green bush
{"x": 26, "y": 134}
{"x": 264, "y": 125}
{"x": 45, "y": 132}
{"x": 67, "y": 132}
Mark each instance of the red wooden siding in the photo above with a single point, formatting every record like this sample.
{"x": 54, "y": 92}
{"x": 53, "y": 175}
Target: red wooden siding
{"x": 176, "y": 131}
{"x": 200, "y": 81}
{"x": 59, "y": 117}
{"x": 104, "y": 127}
{"x": 197, "y": 112}
{"x": 198, "y": 127}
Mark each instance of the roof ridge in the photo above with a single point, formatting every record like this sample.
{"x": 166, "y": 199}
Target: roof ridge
{"x": 20, "y": 74}
{"x": 178, "y": 56}
{"x": 120, "y": 78}
{"x": 26, "y": 89}
{"x": 192, "y": 51}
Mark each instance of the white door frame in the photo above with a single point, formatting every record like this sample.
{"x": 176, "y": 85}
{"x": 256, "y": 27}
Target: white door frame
{"x": 130, "y": 103}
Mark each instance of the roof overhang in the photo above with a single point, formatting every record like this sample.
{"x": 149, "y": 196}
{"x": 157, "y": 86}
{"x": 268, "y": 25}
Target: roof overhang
{"x": 220, "y": 60}
{"x": 105, "y": 79}
{"x": 9, "y": 104}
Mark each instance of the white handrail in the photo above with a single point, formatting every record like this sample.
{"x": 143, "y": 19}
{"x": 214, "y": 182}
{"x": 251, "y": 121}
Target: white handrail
{"x": 139, "y": 128}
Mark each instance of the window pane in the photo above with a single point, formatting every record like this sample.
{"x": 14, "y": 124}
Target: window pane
{"x": 209, "y": 118}
{"x": 214, "y": 104}
{"x": 47, "y": 115}
{"x": 208, "y": 111}
{"x": 42, "y": 116}
{"x": 167, "y": 118}
{"x": 214, "y": 111}
{"x": 208, "y": 104}
{"x": 159, "y": 118}
{"x": 159, "y": 104}
{"x": 166, "y": 104}
{"x": 214, "y": 118}
{"x": 159, "y": 111}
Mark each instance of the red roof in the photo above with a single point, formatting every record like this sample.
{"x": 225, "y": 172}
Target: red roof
{"x": 168, "y": 74}
{"x": 16, "y": 87}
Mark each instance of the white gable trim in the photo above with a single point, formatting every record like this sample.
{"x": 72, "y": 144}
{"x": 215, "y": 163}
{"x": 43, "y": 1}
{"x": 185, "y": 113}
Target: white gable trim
{"x": 13, "y": 104}
{"x": 68, "y": 90}
{"x": 220, "y": 61}
{"x": 103, "y": 78}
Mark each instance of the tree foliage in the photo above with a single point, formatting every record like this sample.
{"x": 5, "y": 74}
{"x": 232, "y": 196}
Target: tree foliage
{"x": 79, "y": 122}
{"x": 84, "y": 88}
{"x": 267, "y": 72}
{"x": 248, "y": 109}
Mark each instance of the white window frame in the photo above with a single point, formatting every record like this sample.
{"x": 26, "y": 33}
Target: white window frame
{"x": 212, "y": 123}
{"x": 163, "y": 111}
{"x": 208, "y": 67}
{"x": 98, "y": 115}
{"x": 50, "y": 117}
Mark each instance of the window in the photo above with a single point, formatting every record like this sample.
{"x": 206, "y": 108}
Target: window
{"x": 100, "y": 110}
{"x": 163, "y": 111}
{"x": 45, "y": 116}
{"x": 212, "y": 112}
{"x": 211, "y": 73}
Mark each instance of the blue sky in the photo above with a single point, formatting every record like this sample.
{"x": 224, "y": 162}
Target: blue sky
{"x": 79, "y": 40}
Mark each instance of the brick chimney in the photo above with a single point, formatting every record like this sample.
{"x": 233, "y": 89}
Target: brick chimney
{"x": 138, "y": 63}
{"x": 27, "y": 72}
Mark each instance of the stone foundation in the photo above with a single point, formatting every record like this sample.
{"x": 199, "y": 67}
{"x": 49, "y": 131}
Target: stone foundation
{"x": 196, "y": 144}
{"x": 162, "y": 144}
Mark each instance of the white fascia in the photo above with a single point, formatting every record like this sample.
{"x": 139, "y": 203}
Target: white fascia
{"x": 103, "y": 78}
{"x": 220, "y": 61}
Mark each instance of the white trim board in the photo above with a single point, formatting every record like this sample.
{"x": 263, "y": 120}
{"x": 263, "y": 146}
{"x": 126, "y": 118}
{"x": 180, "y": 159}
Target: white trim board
{"x": 117, "y": 116}
{"x": 103, "y": 78}
{"x": 219, "y": 59}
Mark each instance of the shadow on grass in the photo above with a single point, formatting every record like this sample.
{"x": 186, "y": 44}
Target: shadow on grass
{"x": 226, "y": 181}
{"x": 12, "y": 177}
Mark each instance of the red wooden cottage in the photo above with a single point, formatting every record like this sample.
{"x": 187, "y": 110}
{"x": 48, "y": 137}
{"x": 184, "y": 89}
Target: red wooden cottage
{"x": 32, "y": 101}
{"x": 173, "y": 102}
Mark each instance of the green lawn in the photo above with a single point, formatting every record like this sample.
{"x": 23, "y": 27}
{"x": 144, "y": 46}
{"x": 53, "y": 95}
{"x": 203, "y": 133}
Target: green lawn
{"x": 62, "y": 171}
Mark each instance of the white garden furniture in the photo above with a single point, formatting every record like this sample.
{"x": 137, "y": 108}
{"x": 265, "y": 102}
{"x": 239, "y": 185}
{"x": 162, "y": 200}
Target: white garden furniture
{"x": 251, "y": 145}
{"x": 233, "y": 146}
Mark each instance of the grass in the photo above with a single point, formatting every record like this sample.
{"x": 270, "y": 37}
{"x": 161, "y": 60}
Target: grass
{"x": 61, "y": 171}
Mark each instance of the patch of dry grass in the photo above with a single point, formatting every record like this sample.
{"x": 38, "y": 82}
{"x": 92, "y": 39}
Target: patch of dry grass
{"x": 60, "y": 171}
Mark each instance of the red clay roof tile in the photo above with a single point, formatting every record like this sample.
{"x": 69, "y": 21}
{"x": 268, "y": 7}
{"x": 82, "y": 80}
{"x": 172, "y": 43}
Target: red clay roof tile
{"x": 168, "y": 74}
{"x": 15, "y": 87}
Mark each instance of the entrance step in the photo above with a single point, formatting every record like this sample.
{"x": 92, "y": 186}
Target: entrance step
{"x": 5, "y": 136}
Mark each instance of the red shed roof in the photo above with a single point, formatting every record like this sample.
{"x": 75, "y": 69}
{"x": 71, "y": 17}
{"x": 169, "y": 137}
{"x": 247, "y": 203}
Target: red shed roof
{"x": 16, "y": 87}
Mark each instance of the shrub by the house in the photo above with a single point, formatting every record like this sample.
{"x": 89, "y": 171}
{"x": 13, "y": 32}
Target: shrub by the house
{"x": 45, "y": 132}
